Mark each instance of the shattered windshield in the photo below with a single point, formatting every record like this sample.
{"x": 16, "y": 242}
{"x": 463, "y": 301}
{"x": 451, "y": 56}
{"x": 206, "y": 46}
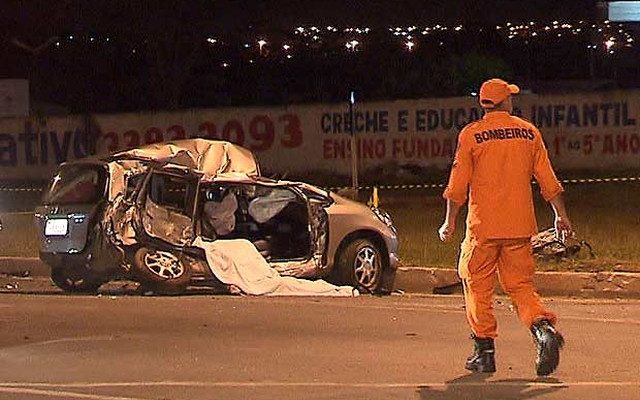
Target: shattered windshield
{"x": 76, "y": 184}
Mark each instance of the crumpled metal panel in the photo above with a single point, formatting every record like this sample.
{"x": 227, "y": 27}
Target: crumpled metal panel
{"x": 319, "y": 232}
{"x": 118, "y": 221}
{"x": 169, "y": 226}
{"x": 119, "y": 173}
{"x": 209, "y": 157}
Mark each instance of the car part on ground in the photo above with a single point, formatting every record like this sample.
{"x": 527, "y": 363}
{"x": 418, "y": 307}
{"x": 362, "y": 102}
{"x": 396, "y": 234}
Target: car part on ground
{"x": 548, "y": 247}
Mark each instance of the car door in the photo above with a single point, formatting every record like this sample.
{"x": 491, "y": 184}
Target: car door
{"x": 166, "y": 205}
{"x": 71, "y": 207}
{"x": 318, "y": 224}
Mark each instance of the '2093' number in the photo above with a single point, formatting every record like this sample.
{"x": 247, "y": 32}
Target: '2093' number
{"x": 258, "y": 135}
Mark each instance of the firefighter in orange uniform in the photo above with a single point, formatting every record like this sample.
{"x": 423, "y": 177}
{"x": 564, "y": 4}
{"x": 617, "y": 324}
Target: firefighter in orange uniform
{"x": 495, "y": 161}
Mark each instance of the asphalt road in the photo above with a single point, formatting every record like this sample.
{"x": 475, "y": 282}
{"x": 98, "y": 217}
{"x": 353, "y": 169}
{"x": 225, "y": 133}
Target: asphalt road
{"x": 110, "y": 347}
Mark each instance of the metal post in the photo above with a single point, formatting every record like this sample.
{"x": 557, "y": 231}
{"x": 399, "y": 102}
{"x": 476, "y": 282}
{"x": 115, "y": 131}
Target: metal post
{"x": 354, "y": 143}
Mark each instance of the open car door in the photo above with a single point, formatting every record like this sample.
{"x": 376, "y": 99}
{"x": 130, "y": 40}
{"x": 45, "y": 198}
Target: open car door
{"x": 166, "y": 205}
{"x": 318, "y": 225}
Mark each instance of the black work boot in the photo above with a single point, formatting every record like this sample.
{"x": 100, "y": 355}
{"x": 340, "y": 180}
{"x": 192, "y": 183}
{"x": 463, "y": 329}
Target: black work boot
{"x": 483, "y": 357}
{"x": 548, "y": 343}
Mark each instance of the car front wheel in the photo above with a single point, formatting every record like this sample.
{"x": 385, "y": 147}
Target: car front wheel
{"x": 360, "y": 265}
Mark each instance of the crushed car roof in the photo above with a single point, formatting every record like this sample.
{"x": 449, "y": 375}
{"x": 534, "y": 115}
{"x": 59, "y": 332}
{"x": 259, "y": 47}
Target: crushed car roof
{"x": 210, "y": 157}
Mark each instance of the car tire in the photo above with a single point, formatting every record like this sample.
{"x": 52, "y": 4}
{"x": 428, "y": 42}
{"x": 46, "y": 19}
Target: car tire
{"x": 75, "y": 280}
{"x": 161, "y": 272}
{"x": 360, "y": 265}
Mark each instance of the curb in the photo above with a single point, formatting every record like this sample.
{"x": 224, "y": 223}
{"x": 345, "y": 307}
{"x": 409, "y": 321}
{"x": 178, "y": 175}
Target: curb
{"x": 568, "y": 284}
{"x": 23, "y": 266}
{"x": 440, "y": 280}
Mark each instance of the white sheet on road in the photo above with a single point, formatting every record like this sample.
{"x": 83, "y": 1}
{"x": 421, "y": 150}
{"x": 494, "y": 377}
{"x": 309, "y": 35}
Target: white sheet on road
{"x": 237, "y": 262}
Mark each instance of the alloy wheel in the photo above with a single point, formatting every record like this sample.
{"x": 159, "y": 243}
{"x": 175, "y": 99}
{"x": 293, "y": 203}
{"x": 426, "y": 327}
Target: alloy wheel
{"x": 367, "y": 266}
{"x": 164, "y": 264}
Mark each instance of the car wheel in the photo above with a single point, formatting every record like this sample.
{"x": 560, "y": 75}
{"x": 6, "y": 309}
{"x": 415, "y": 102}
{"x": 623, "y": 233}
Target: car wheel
{"x": 75, "y": 280}
{"x": 360, "y": 265}
{"x": 161, "y": 271}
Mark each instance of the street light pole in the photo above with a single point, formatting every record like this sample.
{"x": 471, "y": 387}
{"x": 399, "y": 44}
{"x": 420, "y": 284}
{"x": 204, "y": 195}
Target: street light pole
{"x": 354, "y": 143}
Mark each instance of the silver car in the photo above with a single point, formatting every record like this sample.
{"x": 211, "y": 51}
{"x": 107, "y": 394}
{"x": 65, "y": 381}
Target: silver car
{"x": 134, "y": 215}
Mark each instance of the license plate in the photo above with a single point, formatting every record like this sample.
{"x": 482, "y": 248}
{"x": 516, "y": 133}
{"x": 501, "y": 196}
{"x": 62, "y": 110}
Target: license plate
{"x": 56, "y": 227}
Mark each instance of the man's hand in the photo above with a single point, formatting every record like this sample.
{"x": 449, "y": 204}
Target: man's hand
{"x": 563, "y": 228}
{"x": 446, "y": 231}
{"x": 562, "y": 222}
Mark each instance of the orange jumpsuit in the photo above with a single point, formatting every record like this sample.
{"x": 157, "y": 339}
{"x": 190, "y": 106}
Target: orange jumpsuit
{"x": 495, "y": 161}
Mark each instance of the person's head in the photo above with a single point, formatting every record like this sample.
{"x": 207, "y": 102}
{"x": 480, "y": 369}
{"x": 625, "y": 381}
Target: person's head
{"x": 495, "y": 95}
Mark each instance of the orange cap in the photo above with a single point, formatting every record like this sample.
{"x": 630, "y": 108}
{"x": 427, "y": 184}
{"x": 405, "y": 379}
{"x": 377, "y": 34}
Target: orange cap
{"x": 495, "y": 91}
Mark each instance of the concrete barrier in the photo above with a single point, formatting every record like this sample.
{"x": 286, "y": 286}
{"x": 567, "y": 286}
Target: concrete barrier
{"x": 576, "y": 284}
{"x": 23, "y": 266}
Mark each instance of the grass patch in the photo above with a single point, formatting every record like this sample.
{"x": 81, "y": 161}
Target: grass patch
{"x": 18, "y": 236}
{"x": 607, "y": 215}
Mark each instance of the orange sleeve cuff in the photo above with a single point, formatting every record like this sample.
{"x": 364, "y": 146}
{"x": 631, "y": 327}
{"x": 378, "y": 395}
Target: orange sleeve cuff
{"x": 549, "y": 193}
{"x": 458, "y": 197}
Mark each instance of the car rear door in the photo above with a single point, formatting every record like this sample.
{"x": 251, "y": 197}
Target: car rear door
{"x": 166, "y": 205}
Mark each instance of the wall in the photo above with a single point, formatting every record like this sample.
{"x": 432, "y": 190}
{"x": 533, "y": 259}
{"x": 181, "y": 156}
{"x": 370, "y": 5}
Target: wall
{"x": 582, "y": 131}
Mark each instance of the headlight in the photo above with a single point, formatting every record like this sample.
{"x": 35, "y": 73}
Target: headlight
{"x": 384, "y": 217}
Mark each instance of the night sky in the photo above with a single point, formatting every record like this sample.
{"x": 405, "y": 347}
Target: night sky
{"x": 114, "y": 55}
{"x": 34, "y": 19}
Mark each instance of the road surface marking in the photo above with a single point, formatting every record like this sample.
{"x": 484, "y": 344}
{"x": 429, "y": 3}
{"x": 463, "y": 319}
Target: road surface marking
{"x": 390, "y": 385}
{"x": 61, "y": 394}
{"x": 73, "y": 339}
{"x": 447, "y": 309}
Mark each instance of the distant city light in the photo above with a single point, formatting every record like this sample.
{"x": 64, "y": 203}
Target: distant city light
{"x": 607, "y": 36}
{"x": 609, "y": 43}
{"x": 351, "y": 45}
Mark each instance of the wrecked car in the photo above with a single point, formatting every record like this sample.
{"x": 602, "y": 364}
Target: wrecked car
{"x": 138, "y": 214}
